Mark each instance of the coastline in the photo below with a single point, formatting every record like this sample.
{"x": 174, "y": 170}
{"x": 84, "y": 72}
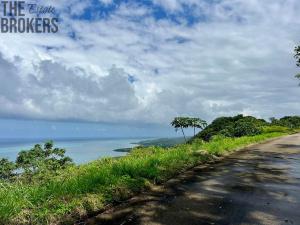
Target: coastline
{"x": 159, "y": 142}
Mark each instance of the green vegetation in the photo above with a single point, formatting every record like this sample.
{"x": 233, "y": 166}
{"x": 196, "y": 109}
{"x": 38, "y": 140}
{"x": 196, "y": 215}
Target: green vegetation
{"x": 287, "y": 121}
{"x": 236, "y": 126}
{"x": 34, "y": 162}
{"x": 6, "y": 169}
{"x": 185, "y": 122}
{"x": 162, "y": 142}
{"x": 73, "y": 192}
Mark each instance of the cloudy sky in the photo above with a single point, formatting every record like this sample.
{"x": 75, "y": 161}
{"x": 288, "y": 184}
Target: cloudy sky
{"x": 128, "y": 67}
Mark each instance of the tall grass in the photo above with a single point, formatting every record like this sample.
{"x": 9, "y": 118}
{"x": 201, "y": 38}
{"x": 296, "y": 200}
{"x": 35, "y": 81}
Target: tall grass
{"x": 86, "y": 189}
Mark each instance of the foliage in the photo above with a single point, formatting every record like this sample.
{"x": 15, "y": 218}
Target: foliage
{"x": 185, "y": 122}
{"x": 197, "y": 123}
{"x": 245, "y": 128}
{"x": 181, "y": 122}
{"x": 40, "y": 159}
{"x": 292, "y": 122}
{"x": 6, "y": 169}
{"x": 236, "y": 126}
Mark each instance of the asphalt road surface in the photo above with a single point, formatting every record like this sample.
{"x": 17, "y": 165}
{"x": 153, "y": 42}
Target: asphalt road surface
{"x": 259, "y": 185}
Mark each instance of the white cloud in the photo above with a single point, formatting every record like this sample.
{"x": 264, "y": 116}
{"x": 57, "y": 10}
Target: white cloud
{"x": 237, "y": 59}
{"x": 106, "y": 1}
{"x": 171, "y": 5}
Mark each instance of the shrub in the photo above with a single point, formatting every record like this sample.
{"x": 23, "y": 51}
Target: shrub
{"x": 228, "y": 131}
{"x": 6, "y": 169}
{"x": 245, "y": 128}
{"x": 273, "y": 129}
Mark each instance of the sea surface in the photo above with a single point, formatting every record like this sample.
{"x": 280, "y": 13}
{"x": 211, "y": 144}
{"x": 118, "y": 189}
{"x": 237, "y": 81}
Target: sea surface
{"x": 80, "y": 150}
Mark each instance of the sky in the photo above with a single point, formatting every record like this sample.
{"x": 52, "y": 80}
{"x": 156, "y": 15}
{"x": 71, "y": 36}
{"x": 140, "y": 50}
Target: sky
{"x": 126, "y": 68}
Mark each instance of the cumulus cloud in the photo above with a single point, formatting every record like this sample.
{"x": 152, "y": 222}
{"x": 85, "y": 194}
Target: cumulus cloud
{"x": 56, "y": 92}
{"x": 194, "y": 58}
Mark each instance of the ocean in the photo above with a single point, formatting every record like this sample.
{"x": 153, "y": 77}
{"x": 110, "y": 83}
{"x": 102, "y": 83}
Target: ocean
{"x": 80, "y": 150}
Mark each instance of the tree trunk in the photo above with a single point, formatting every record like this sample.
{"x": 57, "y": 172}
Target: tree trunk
{"x": 183, "y": 134}
{"x": 194, "y": 131}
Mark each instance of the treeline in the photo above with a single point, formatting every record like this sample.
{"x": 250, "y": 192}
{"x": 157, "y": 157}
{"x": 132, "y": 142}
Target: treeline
{"x": 238, "y": 126}
{"x": 287, "y": 121}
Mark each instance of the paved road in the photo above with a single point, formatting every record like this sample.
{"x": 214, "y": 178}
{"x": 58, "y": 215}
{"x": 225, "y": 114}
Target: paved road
{"x": 258, "y": 185}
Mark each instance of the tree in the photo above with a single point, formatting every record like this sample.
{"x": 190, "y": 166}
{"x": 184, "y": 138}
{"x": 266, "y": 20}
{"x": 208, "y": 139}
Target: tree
{"x": 38, "y": 159}
{"x": 272, "y": 120}
{"x": 197, "y": 123}
{"x": 181, "y": 122}
{"x": 6, "y": 169}
{"x": 297, "y": 57}
{"x": 292, "y": 122}
{"x": 232, "y": 127}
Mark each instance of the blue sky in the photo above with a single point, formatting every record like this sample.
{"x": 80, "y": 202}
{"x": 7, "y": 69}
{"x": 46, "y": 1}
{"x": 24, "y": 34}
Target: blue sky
{"x": 126, "y": 68}
{"x": 157, "y": 11}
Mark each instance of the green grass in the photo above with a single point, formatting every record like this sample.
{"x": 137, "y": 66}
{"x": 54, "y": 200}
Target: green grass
{"x": 79, "y": 191}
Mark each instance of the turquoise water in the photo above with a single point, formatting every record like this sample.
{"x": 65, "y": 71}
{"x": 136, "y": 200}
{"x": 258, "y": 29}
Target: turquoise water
{"x": 80, "y": 150}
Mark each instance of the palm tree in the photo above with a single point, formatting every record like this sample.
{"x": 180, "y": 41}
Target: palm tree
{"x": 197, "y": 123}
{"x": 181, "y": 122}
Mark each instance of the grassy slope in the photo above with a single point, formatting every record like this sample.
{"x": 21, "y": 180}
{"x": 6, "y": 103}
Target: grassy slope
{"x": 88, "y": 188}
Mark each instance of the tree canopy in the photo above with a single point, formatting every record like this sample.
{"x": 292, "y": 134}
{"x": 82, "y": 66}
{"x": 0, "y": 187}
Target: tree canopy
{"x": 39, "y": 159}
{"x": 180, "y": 123}
{"x": 235, "y": 126}
{"x": 185, "y": 122}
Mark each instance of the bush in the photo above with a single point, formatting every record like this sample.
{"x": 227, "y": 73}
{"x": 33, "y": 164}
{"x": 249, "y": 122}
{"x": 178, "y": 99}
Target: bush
{"x": 245, "y": 129}
{"x": 6, "y": 169}
{"x": 228, "y": 131}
